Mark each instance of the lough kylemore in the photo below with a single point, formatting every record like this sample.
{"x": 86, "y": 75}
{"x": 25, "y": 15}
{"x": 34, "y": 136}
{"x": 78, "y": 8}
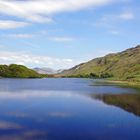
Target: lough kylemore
{"x": 69, "y": 70}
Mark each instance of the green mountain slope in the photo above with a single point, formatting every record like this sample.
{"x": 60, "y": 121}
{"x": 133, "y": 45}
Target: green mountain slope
{"x": 18, "y": 71}
{"x": 121, "y": 66}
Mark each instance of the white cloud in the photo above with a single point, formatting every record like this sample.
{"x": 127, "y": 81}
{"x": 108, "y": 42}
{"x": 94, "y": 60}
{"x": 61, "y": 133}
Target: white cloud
{"x": 127, "y": 15}
{"x": 115, "y": 32}
{"x": 35, "y": 60}
{"x": 42, "y": 10}
{"x": 62, "y": 39}
{"x": 8, "y": 24}
{"x": 21, "y": 35}
{"x": 110, "y": 21}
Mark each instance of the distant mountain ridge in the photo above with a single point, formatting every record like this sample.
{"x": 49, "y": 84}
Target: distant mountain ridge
{"x": 47, "y": 70}
{"x": 122, "y": 66}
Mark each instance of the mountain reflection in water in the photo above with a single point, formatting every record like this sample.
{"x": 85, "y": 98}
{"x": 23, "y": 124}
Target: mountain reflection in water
{"x": 62, "y": 109}
{"x": 128, "y": 102}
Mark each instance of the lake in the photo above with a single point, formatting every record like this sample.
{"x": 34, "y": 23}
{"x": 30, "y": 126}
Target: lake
{"x": 68, "y": 109}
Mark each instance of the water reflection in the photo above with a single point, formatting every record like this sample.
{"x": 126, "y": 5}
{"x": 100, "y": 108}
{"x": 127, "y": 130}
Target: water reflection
{"x": 62, "y": 109}
{"x": 25, "y": 135}
{"x": 128, "y": 102}
{"x": 9, "y": 125}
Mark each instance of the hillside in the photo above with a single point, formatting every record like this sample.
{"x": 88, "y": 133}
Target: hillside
{"x": 18, "y": 71}
{"x": 120, "y": 66}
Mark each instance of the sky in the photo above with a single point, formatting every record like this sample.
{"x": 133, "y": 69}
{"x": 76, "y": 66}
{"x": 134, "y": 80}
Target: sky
{"x": 63, "y": 33}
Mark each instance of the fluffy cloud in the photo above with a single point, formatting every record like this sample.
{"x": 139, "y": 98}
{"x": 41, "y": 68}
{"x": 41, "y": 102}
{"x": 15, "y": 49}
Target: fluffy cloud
{"x": 8, "y": 24}
{"x": 42, "y": 10}
{"x": 35, "y": 60}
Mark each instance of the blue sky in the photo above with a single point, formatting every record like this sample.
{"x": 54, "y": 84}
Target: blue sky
{"x": 63, "y": 33}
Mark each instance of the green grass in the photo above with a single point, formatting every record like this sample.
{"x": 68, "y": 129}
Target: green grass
{"x": 123, "y": 66}
{"x": 18, "y": 71}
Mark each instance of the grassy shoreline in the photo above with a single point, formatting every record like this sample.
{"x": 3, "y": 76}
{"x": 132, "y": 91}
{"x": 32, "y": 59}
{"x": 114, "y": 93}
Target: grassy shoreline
{"x": 123, "y": 83}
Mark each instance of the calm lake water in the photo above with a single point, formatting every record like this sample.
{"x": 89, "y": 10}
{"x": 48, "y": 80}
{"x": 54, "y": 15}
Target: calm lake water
{"x": 67, "y": 109}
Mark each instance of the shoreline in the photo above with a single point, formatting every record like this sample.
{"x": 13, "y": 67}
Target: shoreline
{"x": 123, "y": 83}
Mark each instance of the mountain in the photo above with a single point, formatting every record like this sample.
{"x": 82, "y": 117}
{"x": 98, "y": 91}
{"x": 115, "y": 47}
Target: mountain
{"x": 18, "y": 71}
{"x": 47, "y": 71}
{"x": 44, "y": 70}
{"x": 120, "y": 66}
